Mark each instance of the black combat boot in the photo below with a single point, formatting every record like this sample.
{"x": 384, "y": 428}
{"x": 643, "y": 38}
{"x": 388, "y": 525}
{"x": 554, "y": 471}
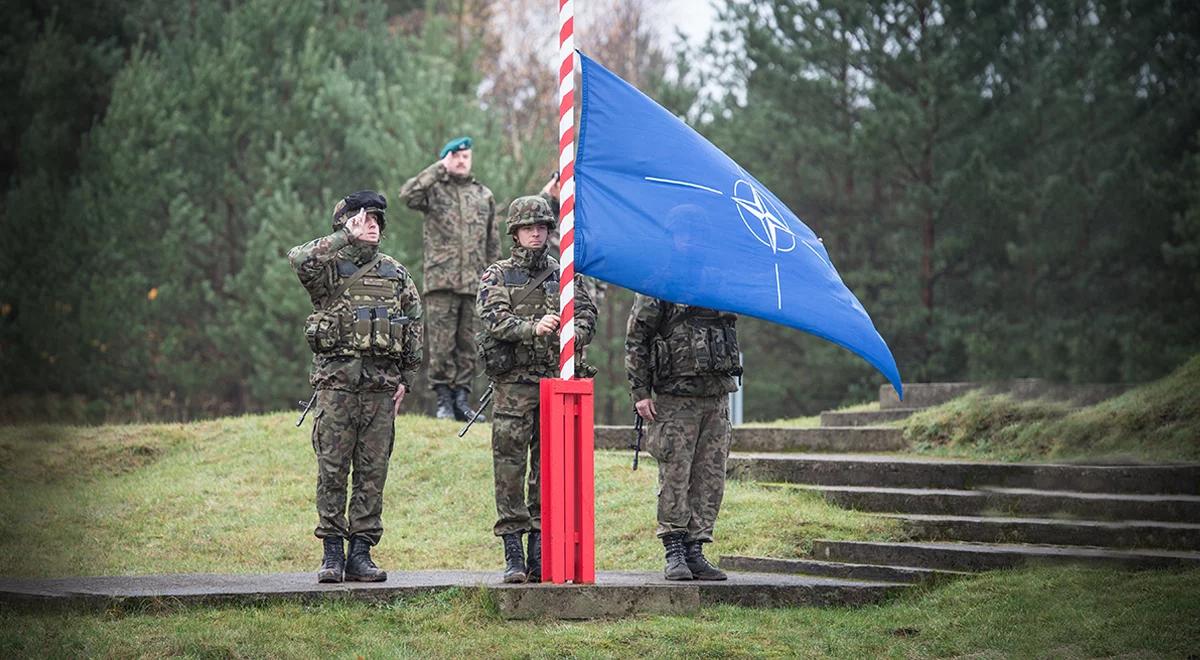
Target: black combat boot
{"x": 462, "y": 407}
{"x": 698, "y": 564}
{"x": 359, "y": 567}
{"x": 445, "y": 402}
{"x": 677, "y": 568}
{"x": 333, "y": 564}
{"x": 534, "y": 554}
{"x": 514, "y": 558}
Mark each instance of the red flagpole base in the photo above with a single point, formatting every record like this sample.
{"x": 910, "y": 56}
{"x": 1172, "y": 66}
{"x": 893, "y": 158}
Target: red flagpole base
{"x": 568, "y": 485}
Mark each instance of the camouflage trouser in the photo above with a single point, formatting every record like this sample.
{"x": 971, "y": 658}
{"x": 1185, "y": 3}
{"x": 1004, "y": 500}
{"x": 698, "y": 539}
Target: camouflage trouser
{"x": 352, "y": 429}
{"x": 514, "y": 440}
{"x": 690, "y": 440}
{"x": 450, "y": 338}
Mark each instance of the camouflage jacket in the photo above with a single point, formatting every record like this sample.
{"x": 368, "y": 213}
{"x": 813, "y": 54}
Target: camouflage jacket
{"x": 679, "y": 350}
{"x": 317, "y": 265}
{"x": 460, "y": 232}
{"x": 504, "y": 327}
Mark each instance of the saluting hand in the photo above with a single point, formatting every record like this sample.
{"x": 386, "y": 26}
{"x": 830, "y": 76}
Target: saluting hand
{"x": 553, "y": 186}
{"x": 357, "y": 226}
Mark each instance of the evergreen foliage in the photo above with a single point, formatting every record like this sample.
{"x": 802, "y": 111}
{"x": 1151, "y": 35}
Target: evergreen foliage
{"x": 1011, "y": 188}
{"x": 1001, "y": 183}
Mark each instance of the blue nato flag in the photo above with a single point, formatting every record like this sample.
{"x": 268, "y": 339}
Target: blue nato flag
{"x": 661, "y": 211}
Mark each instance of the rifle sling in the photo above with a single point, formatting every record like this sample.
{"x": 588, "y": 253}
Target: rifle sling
{"x": 354, "y": 277}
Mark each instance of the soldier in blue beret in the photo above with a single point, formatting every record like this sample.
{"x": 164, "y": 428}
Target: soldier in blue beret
{"x": 461, "y": 238}
{"x": 455, "y": 145}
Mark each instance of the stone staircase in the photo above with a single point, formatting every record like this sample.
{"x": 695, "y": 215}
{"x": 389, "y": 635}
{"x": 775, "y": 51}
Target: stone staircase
{"x": 967, "y": 516}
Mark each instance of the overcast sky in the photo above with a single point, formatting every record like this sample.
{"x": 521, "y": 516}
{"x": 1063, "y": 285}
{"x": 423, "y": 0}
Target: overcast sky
{"x": 692, "y": 17}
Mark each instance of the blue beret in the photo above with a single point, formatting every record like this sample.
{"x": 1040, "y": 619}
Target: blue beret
{"x": 457, "y": 144}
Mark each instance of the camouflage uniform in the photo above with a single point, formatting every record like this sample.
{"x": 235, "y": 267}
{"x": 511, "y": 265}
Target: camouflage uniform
{"x": 688, "y": 357}
{"x": 461, "y": 237}
{"x": 516, "y": 360}
{"x": 366, "y": 343}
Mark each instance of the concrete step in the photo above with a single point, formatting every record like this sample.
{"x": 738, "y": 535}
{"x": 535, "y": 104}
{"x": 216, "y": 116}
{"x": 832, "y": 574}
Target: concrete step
{"x": 617, "y": 593}
{"x": 1124, "y": 534}
{"x": 923, "y": 395}
{"x": 872, "y": 572}
{"x": 865, "y": 417}
{"x": 1014, "y": 502}
{"x": 989, "y": 556}
{"x": 915, "y": 472}
{"x": 780, "y": 439}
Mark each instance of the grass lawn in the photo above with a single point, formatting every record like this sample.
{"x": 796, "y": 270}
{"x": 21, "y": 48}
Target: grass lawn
{"x": 235, "y": 495}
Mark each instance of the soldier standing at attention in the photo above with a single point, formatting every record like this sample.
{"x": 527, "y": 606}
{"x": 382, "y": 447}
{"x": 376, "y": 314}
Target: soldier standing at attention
{"x": 365, "y": 334}
{"x": 461, "y": 237}
{"x": 518, "y": 310}
{"x": 688, "y": 356}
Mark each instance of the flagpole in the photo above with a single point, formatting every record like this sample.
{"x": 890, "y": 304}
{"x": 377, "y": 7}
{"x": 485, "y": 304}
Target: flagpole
{"x": 566, "y": 194}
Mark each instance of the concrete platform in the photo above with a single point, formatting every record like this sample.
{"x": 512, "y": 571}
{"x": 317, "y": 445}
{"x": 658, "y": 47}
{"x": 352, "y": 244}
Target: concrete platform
{"x": 1011, "y": 501}
{"x": 914, "y": 472}
{"x": 991, "y": 529}
{"x": 989, "y": 556}
{"x": 615, "y": 594}
{"x": 865, "y": 417}
{"x": 901, "y": 574}
{"x": 782, "y": 439}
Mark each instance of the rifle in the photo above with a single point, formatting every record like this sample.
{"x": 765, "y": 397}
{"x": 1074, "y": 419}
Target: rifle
{"x": 305, "y": 407}
{"x": 483, "y": 403}
{"x": 637, "y": 445}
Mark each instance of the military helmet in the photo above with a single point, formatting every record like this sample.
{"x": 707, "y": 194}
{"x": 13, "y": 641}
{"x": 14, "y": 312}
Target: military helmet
{"x": 530, "y": 210}
{"x": 368, "y": 200}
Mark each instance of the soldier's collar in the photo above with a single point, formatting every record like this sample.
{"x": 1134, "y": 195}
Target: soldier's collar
{"x": 454, "y": 178}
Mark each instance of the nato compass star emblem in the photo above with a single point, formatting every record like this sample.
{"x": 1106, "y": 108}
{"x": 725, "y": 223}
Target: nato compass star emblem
{"x": 760, "y": 216}
{"x": 764, "y": 222}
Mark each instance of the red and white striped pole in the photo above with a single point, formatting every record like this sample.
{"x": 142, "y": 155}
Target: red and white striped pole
{"x": 566, "y": 424}
{"x": 566, "y": 194}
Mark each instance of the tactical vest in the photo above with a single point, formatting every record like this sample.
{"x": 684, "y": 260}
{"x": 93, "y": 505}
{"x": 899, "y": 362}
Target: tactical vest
{"x": 500, "y": 356}
{"x": 697, "y": 341}
{"x": 366, "y": 319}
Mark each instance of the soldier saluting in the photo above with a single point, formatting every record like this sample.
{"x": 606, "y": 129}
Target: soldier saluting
{"x": 365, "y": 334}
{"x": 460, "y": 237}
{"x": 687, "y": 357}
{"x": 518, "y": 310}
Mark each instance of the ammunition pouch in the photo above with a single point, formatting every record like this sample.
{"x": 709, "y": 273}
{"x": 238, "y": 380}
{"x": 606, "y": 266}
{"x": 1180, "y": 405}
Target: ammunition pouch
{"x": 322, "y": 330}
{"x": 698, "y": 347}
{"x": 500, "y": 357}
{"x": 365, "y": 331}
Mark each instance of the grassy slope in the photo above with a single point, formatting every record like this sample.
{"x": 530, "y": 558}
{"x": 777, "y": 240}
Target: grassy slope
{"x": 1159, "y": 421}
{"x": 236, "y": 495}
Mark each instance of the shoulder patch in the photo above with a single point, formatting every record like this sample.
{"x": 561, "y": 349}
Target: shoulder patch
{"x": 387, "y": 268}
{"x": 515, "y": 277}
